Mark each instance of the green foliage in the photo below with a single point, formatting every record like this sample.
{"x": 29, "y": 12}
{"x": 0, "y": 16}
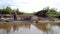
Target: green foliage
{"x": 48, "y": 12}
{"x": 18, "y": 12}
{"x": 9, "y": 10}
{"x": 34, "y": 13}
{"x": 42, "y": 13}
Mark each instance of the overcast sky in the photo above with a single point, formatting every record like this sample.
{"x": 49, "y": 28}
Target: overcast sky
{"x": 30, "y": 5}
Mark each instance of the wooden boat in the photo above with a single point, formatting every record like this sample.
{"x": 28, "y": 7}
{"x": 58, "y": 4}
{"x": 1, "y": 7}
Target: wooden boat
{"x": 9, "y": 20}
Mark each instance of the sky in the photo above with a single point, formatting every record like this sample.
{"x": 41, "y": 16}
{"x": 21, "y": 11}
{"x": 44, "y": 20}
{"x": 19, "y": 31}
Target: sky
{"x": 30, "y": 6}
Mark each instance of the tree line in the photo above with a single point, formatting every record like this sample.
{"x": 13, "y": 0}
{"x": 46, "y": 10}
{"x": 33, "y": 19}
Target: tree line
{"x": 48, "y": 12}
{"x": 9, "y": 10}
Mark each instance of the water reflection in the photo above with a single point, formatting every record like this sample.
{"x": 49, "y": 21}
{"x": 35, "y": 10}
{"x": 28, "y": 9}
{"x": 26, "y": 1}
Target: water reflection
{"x": 28, "y": 28}
{"x": 8, "y": 27}
{"x": 49, "y": 28}
{"x": 41, "y": 26}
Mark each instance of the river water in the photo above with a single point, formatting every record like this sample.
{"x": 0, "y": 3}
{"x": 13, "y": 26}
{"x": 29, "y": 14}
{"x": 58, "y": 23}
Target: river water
{"x": 34, "y": 28}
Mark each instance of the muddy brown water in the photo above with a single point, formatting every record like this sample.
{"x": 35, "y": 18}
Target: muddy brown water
{"x": 29, "y": 28}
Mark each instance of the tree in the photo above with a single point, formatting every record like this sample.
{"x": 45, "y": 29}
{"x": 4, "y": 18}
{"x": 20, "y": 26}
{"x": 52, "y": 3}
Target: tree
{"x": 18, "y": 12}
{"x": 52, "y": 12}
{"x": 34, "y": 13}
{"x": 3, "y": 11}
{"x": 8, "y": 10}
{"x": 42, "y": 13}
{"x": 46, "y": 12}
